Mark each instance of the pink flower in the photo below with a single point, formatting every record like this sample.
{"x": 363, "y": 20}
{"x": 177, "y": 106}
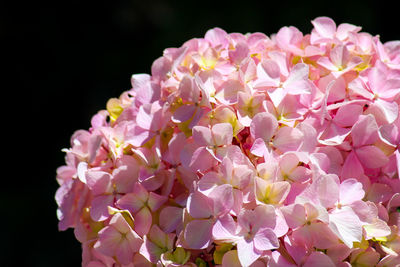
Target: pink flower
{"x": 255, "y": 233}
{"x": 108, "y": 188}
{"x": 118, "y": 240}
{"x": 213, "y": 145}
{"x": 364, "y": 135}
{"x": 141, "y": 204}
{"x": 156, "y": 243}
{"x": 245, "y": 150}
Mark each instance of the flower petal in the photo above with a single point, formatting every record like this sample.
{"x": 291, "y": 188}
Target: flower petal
{"x": 318, "y": 259}
{"x": 371, "y": 157}
{"x": 265, "y": 239}
{"x": 263, "y": 126}
{"x": 247, "y": 252}
{"x": 143, "y": 221}
{"x": 198, "y": 234}
{"x": 346, "y": 225}
{"x": 350, "y": 191}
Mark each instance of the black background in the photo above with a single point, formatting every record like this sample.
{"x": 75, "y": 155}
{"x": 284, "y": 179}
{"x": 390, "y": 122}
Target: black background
{"x": 65, "y": 59}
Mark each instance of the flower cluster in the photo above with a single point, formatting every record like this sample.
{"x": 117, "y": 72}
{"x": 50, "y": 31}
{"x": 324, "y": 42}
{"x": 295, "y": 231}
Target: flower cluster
{"x": 245, "y": 150}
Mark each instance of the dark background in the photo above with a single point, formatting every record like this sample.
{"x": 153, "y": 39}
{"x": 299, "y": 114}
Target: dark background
{"x": 65, "y": 59}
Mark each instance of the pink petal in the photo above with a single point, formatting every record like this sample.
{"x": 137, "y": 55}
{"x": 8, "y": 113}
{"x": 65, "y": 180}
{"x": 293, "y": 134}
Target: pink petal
{"x": 328, "y": 190}
{"x": 229, "y": 94}
{"x": 371, "y": 157}
{"x": 125, "y": 177}
{"x": 130, "y": 202}
{"x": 170, "y": 218}
{"x": 183, "y": 113}
{"x": 222, "y": 134}
{"x": 217, "y": 36}
{"x": 150, "y": 251}
{"x": 397, "y": 153}
{"x": 99, "y": 208}
{"x": 187, "y": 91}
{"x": 288, "y": 163}
{"x": 160, "y": 68}
{"x": 265, "y": 239}
{"x": 240, "y": 53}
{"x": 201, "y": 160}
{"x": 365, "y": 212}
{"x": 263, "y": 126}
{"x": 143, "y": 220}
{"x": 224, "y": 228}
{"x": 268, "y": 74}
{"x": 325, "y": 26}
{"x": 124, "y": 252}
{"x": 145, "y": 91}
{"x": 99, "y": 182}
{"x": 196, "y": 117}
{"x": 389, "y": 109}
{"x": 352, "y": 167}
{"x": 377, "y": 78}
{"x": 326, "y": 63}
{"x": 288, "y": 38}
{"x": 158, "y": 237}
{"x": 344, "y": 29}
{"x": 369, "y": 257}
{"x": 281, "y": 59}
{"x": 259, "y": 148}
{"x": 379, "y": 193}
{"x": 295, "y": 215}
{"x": 198, "y": 234}
{"x": 298, "y": 72}
{"x": 337, "y": 91}
{"x": 323, "y": 237}
{"x": 346, "y": 225}
{"x": 264, "y": 216}
{"x": 338, "y": 252}
{"x": 95, "y": 264}
{"x": 281, "y": 227}
{"x": 318, "y": 259}
{"x": 391, "y": 89}
{"x": 334, "y": 135}
{"x": 199, "y": 205}
{"x": 202, "y": 135}
{"x": 300, "y": 174}
{"x": 364, "y": 131}
{"x": 81, "y": 171}
{"x": 350, "y": 191}
{"x": 137, "y": 136}
{"x": 310, "y": 137}
{"x": 288, "y": 139}
{"x": 209, "y": 181}
{"x": 339, "y": 55}
{"x": 223, "y": 199}
{"x": 247, "y": 252}
{"x": 278, "y": 192}
{"x": 231, "y": 259}
{"x": 359, "y": 88}
{"x": 144, "y": 117}
{"x": 378, "y": 228}
{"x": 297, "y": 82}
{"x": 277, "y": 95}
{"x": 155, "y": 201}
{"x": 260, "y": 188}
{"x": 108, "y": 242}
{"x": 347, "y": 115}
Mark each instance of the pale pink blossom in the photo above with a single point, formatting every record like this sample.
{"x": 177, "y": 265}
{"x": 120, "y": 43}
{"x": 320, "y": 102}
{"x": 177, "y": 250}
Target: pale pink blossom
{"x": 244, "y": 150}
{"x": 118, "y": 240}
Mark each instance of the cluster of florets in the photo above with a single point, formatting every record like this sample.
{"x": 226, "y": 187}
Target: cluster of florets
{"x": 245, "y": 150}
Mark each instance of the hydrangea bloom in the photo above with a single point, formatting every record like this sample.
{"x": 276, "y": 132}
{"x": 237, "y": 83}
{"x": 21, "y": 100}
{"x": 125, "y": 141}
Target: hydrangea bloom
{"x": 245, "y": 150}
